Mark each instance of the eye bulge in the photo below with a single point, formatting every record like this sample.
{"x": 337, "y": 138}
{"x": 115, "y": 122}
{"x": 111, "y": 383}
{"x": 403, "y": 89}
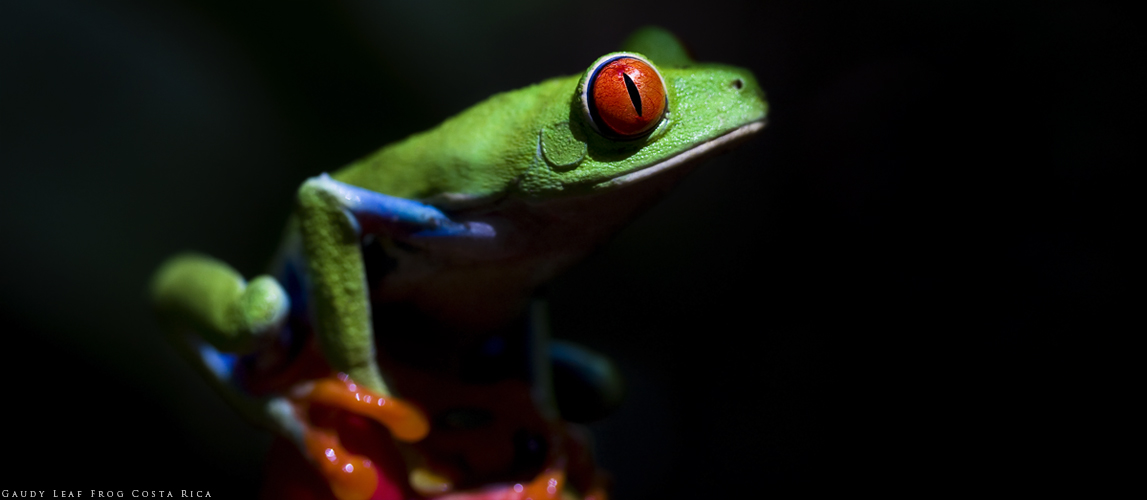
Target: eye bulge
{"x": 626, "y": 97}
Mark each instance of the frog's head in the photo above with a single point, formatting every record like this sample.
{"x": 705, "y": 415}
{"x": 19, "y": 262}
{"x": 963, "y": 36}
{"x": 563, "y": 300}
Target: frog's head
{"x": 633, "y": 116}
{"x": 552, "y": 170}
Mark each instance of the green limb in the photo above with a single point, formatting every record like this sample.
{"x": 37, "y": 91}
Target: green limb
{"x": 338, "y": 284}
{"x": 196, "y": 291}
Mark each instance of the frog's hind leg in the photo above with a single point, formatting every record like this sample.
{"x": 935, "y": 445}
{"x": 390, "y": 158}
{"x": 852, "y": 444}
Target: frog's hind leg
{"x": 198, "y": 292}
{"x": 212, "y": 315}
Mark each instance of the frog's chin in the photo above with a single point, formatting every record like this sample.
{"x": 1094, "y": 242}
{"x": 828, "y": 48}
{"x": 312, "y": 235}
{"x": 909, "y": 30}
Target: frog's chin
{"x": 690, "y": 156}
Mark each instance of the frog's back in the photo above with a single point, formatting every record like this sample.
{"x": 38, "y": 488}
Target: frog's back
{"x": 476, "y": 153}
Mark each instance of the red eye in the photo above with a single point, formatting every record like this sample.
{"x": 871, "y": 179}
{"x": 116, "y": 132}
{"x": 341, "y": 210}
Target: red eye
{"x": 626, "y": 97}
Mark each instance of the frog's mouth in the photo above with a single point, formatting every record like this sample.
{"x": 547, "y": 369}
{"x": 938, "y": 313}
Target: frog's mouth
{"x": 691, "y": 155}
{"x": 456, "y": 201}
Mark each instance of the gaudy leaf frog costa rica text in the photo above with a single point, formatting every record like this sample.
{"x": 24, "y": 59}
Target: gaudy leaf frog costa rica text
{"x": 395, "y": 348}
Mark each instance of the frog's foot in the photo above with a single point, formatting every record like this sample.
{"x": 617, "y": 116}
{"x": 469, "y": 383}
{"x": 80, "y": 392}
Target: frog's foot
{"x": 350, "y": 476}
{"x": 406, "y": 423}
{"x": 549, "y": 485}
{"x": 571, "y": 475}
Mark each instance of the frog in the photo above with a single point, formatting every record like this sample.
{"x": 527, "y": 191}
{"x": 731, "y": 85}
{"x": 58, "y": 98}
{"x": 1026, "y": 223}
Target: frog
{"x": 397, "y": 347}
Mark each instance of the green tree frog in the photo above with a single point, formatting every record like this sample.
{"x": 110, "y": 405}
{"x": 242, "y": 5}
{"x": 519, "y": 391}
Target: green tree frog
{"x": 396, "y": 348}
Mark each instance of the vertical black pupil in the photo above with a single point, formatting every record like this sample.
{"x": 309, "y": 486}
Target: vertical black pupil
{"x": 634, "y": 95}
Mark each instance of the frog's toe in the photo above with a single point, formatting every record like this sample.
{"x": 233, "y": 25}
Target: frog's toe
{"x": 405, "y": 422}
{"x": 350, "y": 476}
{"x": 264, "y": 306}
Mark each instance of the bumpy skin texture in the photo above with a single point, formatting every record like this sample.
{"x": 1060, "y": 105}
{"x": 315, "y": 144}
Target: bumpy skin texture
{"x": 229, "y": 312}
{"x": 491, "y": 148}
{"x": 341, "y": 302}
{"x": 422, "y": 259}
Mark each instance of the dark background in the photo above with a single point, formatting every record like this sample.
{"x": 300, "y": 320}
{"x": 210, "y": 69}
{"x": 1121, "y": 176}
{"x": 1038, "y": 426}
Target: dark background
{"x": 911, "y": 277}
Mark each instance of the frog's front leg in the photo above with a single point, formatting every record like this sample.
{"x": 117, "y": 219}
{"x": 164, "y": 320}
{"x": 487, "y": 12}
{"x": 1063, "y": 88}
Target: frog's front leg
{"x": 332, "y": 216}
{"x": 305, "y": 418}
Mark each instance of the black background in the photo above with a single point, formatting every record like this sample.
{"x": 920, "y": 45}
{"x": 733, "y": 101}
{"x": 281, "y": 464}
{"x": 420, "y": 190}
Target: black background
{"x": 911, "y": 278}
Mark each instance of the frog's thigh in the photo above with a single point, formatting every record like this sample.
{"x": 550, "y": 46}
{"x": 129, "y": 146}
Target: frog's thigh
{"x": 196, "y": 291}
{"x": 587, "y": 385}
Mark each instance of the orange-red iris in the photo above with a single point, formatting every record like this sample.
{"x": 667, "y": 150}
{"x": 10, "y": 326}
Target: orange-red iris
{"x": 628, "y": 96}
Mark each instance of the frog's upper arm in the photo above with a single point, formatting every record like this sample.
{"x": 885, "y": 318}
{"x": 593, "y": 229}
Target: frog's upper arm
{"x": 332, "y": 216}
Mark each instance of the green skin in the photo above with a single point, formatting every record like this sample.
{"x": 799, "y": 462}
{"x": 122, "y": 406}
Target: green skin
{"x": 528, "y": 163}
{"x": 490, "y": 150}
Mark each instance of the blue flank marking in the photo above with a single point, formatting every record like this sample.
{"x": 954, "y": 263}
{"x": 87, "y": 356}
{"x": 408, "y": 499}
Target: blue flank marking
{"x": 367, "y": 202}
{"x": 473, "y": 229}
{"x": 364, "y": 203}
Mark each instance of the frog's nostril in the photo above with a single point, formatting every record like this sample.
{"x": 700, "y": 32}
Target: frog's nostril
{"x": 738, "y": 83}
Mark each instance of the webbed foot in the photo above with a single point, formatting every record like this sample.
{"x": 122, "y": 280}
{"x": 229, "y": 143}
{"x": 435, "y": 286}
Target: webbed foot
{"x": 316, "y": 431}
